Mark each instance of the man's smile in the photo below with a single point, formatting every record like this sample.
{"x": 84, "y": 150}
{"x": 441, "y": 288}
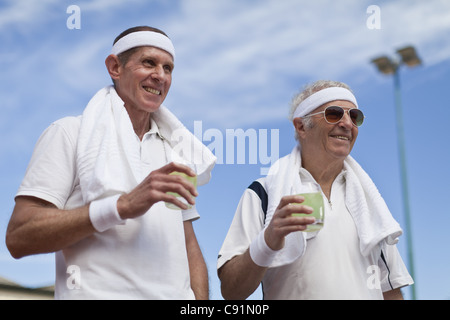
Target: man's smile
{"x": 151, "y": 90}
{"x": 340, "y": 137}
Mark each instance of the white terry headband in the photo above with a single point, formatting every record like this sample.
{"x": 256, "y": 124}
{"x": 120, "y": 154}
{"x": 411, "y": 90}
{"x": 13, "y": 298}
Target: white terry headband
{"x": 143, "y": 38}
{"x": 321, "y": 97}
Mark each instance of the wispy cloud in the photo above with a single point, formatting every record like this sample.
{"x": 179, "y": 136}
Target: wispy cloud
{"x": 229, "y": 51}
{"x": 22, "y": 14}
{"x": 239, "y": 57}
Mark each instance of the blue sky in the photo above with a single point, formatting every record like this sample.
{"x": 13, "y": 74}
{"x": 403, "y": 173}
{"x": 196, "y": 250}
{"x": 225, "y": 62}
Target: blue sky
{"x": 238, "y": 65}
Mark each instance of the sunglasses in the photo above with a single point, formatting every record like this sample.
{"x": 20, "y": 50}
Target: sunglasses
{"x": 334, "y": 114}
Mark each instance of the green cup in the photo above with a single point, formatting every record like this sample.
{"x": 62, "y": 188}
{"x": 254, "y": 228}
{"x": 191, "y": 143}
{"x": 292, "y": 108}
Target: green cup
{"x": 313, "y": 198}
{"x": 192, "y": 180}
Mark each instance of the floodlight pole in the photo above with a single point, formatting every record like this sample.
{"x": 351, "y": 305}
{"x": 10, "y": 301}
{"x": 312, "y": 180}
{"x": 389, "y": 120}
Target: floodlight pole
{"x": 404, "y": 176}
{"x": 391, "y": 66}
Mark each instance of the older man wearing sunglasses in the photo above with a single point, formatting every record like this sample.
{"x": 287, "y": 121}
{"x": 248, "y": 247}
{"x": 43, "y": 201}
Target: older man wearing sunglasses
{"x": 354, "y": 255}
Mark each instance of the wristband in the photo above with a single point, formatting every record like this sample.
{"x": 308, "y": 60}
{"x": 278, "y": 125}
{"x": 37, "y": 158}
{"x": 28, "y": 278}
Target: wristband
{"x": 103, "y": 213}
{"x": 260, "y": 252}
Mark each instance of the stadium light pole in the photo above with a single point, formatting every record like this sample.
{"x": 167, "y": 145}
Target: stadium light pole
{"x": 388, "y": 66}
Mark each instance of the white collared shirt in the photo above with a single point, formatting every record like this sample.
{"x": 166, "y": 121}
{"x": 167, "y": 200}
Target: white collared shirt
{"x": 142, "y": 259}
{"x": 332, "y": 266}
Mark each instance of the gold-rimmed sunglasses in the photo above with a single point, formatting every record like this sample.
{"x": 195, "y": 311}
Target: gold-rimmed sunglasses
{"x": 334, "y": 114}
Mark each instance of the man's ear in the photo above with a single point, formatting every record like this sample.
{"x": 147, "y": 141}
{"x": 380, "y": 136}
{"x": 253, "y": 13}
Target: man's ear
{"x": 112, "y": 63}
{"x": 299, "y": 127}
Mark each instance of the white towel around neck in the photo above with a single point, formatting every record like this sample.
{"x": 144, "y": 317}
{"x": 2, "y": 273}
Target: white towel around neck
{"x": 373, "y": 220}
{"x": 108, "y": 151}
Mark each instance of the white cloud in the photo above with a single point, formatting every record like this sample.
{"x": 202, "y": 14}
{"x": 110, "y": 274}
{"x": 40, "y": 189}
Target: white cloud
{"x": 104, "y": 5}
{"x": 21, "y": 14}
{"x": 240, "y": 56}
{"x": 230, "y": 50}
{"x": 423, "y": 24}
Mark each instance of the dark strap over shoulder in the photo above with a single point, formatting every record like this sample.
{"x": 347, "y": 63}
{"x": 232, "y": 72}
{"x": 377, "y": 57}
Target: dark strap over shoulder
{"x": 262, "y": 194}
{"x": 387, "y": 267}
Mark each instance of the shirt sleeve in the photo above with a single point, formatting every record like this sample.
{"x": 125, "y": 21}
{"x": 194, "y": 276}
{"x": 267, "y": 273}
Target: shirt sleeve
{"x": 190, "y": 214}
{"x": 247, "y": 223}
{"x": 394, "y": 273}
{"x": 50, "y": 174}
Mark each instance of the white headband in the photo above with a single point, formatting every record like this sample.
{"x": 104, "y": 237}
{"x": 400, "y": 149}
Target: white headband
{"x": 321, "y": 97}
{"x": 143, "y": 38}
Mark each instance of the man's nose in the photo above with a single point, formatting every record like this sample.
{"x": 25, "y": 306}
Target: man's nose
{"x": 346, "y": 120}
{"x": 158, "y": 73}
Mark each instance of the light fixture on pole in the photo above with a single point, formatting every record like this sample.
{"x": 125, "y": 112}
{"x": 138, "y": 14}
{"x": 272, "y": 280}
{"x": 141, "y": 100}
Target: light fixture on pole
{"x": 386, "y": 65}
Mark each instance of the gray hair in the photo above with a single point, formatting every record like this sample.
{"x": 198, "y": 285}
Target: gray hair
{"x": 306, "y": 92}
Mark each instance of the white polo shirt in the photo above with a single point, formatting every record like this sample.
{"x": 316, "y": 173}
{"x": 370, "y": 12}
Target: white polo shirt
{"x": 332, "y": 266}
{"x": 143, "y": 259}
